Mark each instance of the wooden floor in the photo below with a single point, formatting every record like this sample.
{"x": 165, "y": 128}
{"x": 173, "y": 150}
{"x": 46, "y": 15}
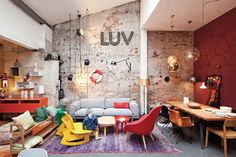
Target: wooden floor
{"x": 4, "y": 151}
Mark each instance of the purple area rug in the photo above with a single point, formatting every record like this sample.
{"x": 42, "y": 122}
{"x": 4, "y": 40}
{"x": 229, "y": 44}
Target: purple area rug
{"x": 113, "y": 143}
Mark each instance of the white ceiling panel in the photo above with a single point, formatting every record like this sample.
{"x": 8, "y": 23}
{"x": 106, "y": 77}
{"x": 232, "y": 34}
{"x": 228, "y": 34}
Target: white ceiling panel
{"x": 185, "y": 10}
{"x": 57, "y": 11}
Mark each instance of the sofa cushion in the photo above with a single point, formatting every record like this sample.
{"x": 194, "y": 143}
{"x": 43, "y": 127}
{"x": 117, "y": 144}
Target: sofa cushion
{"x": 117, "y": 112}
{"x": 52, "y": 110}
{"x": 25, "y": 120}
{"x": 110, "y": 101}
{"x": 92, "y": 103}
{"x": 121, "y": 105}
{"x": 96, "y": 111}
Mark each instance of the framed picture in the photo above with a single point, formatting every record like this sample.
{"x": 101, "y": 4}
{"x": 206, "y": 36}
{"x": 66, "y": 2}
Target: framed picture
{"x": 214, "y": 81}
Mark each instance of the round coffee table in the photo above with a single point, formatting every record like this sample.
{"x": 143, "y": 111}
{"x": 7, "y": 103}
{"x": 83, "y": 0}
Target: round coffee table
{"x": 106, "y": 121}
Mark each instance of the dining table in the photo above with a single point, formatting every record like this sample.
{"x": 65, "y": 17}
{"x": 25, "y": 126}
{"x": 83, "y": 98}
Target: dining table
{"x": 202, "y": 113}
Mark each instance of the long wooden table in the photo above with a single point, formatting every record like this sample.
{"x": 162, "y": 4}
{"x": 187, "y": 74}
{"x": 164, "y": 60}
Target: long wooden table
{"x": 201, "y": 113}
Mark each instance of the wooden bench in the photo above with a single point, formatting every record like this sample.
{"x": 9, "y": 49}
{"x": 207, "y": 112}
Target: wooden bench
{"x": 43, "y": 129}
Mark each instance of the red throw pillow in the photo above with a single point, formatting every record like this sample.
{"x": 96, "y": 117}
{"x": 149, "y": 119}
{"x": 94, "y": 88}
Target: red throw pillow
{"x": 121, "y": 105}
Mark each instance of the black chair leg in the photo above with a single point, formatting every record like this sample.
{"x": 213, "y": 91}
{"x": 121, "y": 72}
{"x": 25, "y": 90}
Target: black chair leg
{"x": 179, "y": 133}
{"x": 165, "y": 126}
{"x": 191, "y": 136}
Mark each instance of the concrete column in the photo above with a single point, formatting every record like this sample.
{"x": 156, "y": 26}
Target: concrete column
{"x": 143, "y": 70}
{"x": 143, "y": 56}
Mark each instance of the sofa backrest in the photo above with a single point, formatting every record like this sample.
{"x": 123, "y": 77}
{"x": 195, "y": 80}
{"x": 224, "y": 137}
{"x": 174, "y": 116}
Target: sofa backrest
{"x": 92, "y": 103}
{"x": 109, "y": 102}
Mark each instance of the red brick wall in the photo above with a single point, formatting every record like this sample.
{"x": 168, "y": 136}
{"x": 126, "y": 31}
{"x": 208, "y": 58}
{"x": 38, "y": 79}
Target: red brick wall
{"x": 217, "y": 44}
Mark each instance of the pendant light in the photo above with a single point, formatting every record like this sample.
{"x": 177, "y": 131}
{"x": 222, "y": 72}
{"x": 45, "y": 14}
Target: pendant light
{"x": 70, "y": 76}
{"x": 87, "y": 61}
{"x": 192, "y": 54}
{"x": 172, "y": 60}
{"x": 79, "y": 31}
{"x": 203, "y": 86}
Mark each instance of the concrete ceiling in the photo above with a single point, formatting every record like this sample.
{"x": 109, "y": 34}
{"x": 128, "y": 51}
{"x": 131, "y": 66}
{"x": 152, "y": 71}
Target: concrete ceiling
{"x": 185, "y": 10}
{"x": 57, "y": 11}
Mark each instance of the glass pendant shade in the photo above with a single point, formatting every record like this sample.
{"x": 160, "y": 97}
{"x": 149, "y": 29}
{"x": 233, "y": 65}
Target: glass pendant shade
{"x": 172, "y": 59}
{"x": 192, "y": 54}
{"x": 173, "y": 67}
{"x": 193, "y": 79}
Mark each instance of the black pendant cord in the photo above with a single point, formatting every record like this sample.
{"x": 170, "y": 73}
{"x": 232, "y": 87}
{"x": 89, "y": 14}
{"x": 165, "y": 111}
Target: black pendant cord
{"x": 87, "y": 26}
{"x": 76, "y": 46}
{"x": 70, "y": 46}
{"x": 171, "y": 29}
{"x": 80, "y": 55}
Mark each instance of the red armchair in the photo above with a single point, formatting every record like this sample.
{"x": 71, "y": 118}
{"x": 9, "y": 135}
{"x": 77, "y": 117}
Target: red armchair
{"x": 144, "y": 125}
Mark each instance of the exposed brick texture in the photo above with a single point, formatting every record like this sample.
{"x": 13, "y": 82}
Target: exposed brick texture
{"x": 117, "y": 80}
{"x": 160, "y": 46}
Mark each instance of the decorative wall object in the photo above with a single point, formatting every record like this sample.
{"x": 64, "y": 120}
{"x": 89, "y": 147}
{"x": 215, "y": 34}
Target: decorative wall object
{"x": 118, "y": 38}
{"x": 117, "y": 81}
{"x": 99, "y": 79}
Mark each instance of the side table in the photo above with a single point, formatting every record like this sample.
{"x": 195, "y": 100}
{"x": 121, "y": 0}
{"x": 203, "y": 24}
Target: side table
{"x": 106, "y": 121}
{"x": 121, "y": 120}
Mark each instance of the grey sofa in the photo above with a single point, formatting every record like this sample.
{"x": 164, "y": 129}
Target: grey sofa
{"x": 103, "y": 107}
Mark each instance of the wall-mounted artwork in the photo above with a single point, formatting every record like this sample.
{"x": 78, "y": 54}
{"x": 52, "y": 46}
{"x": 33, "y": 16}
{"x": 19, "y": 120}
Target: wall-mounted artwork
{"x": 214, "y": 81}
{"x": 115, "y": 42}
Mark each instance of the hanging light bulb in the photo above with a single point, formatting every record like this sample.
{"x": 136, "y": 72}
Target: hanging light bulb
{"x": 173, "y": 67}
{"x": 192, "y": 54}
{"x": 79, "y": 31}
{"x": 172, "y": 61}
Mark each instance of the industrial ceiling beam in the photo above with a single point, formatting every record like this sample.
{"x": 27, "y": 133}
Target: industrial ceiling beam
{"x": 30, "y": 12}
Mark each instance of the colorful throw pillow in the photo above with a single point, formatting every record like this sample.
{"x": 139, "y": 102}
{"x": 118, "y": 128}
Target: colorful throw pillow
{"x": 40, "y": 114}
{"x": 5, "y": 134}
{"x": 52, "y": 110}
{"x": 6, "y": 127}
{"x": 5, "y": 138}
{"x": 121, "y": 105}
{"x": 25, "y": 120}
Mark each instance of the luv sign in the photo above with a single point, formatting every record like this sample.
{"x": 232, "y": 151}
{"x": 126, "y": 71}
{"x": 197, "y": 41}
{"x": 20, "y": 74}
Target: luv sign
{"x": 116, "y": 41}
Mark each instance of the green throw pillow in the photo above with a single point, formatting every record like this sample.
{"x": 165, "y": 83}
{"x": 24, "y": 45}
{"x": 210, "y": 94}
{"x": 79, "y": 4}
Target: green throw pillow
{"x": 41, "y": 114}
{"x": 52, "y": 110}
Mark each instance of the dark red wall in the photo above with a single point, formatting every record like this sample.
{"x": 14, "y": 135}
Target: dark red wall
{"x": 217, "y": 44}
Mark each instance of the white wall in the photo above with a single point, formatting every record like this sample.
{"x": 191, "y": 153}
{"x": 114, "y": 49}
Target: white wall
{"x": 147, "y": 7}
{"x": 18, "y": 27}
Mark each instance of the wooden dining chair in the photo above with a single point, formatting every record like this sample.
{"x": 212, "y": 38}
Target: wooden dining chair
{"x": 180, "y": 122}
{"x": 225, "y": 133}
